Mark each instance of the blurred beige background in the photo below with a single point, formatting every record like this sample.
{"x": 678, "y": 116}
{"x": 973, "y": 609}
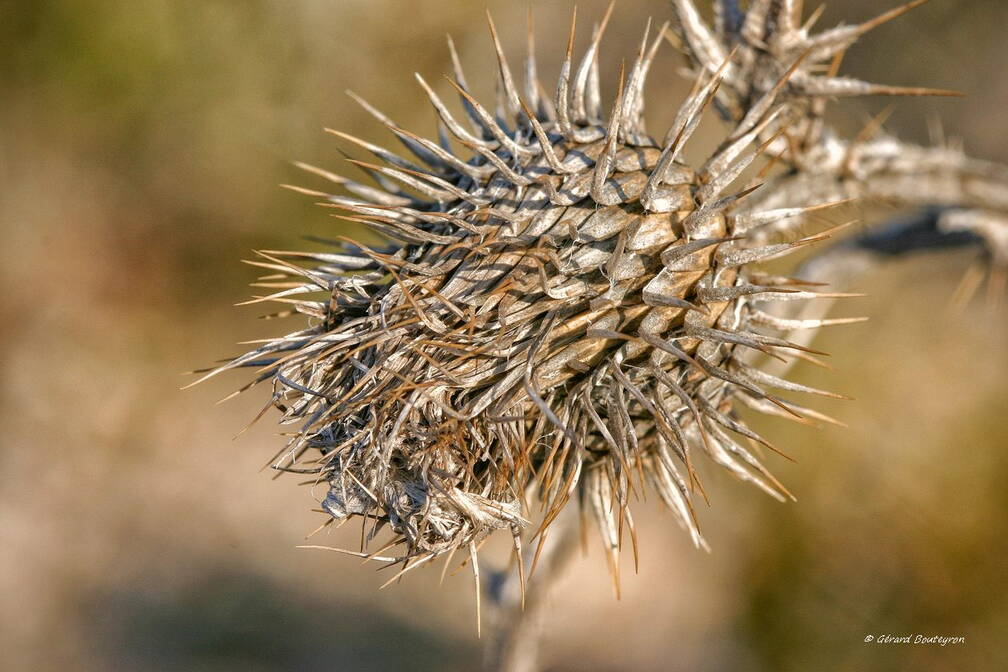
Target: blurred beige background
{"x": 142, "y": 144}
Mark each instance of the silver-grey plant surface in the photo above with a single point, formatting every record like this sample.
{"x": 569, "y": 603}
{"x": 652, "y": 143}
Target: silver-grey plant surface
{"x": 567, "y": 313}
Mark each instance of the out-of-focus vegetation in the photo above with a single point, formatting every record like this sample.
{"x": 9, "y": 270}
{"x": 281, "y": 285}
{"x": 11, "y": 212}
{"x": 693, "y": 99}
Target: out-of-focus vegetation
{"x": 140, "y": 148}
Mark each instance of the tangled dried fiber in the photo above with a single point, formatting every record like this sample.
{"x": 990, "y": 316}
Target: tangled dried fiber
{"x": 568, "y": 310}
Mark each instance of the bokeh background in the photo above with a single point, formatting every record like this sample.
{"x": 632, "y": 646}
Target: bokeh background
{"x": 142, "y": 145}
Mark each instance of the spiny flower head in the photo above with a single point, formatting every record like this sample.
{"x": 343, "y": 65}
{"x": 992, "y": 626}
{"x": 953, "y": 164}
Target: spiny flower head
{"x": 769, "y": 39}
{"x": 567, "y": 311}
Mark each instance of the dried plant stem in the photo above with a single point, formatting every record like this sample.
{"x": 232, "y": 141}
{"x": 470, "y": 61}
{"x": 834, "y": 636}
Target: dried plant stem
{"x": 961, "y": 202}
{"x": 514, "y": 644}
{"x": 965, "y": 195}
{"x": 892, "y": 171}
{"x": 925, "y": 230}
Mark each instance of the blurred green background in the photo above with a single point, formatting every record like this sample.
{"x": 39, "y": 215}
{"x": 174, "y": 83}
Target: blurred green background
{"x": 142, "y": 145}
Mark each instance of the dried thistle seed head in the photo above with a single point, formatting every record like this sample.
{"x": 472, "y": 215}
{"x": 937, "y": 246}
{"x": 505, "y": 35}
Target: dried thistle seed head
{"x": 774, "y": 46}
{"x": 566, "y": 311}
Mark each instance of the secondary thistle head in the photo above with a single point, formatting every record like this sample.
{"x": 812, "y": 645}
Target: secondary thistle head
{"x": 775, "y": 47}
{"x": 566, "y": 311}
